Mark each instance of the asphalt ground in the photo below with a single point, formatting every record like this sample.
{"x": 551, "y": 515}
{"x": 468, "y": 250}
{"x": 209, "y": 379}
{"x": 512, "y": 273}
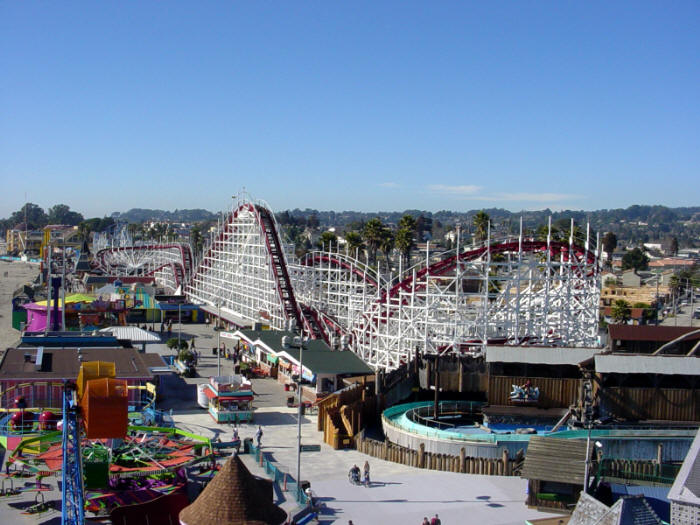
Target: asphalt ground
{"x": 397, "y": 493}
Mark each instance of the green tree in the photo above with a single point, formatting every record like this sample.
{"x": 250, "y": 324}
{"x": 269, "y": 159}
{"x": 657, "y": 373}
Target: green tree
{"x": 620, "y": 311}
{"x": 62, "y": 214}
{"x": 673, "y": 249}
{"x": 609, "y": 244}
{"x": 196, "y": 238}
{"x": 387, "y": 244}
{"x": 326, "y": 240}
{"x": 404, "y": 237}
{"x": 635, "y": 259}
{"x": 355, "y": 243}
{"x": 481, "y": 225}
{"x": 373, "y": 234}
{"x": 648, "y": 313}
{"x": 36, "y": 217}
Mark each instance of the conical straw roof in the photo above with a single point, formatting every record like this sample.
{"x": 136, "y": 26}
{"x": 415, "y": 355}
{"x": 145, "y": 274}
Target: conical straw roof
{"x": 233, "y": 497}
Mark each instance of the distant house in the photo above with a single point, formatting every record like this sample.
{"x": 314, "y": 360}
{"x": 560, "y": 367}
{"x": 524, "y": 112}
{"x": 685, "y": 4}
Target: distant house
{"x": 672, "y": 263}
{"x": 685, "y": 492}
{"x": 630, "y": 279}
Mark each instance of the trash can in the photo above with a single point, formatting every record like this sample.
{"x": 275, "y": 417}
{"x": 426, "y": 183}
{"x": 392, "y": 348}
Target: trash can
{"x": 247, "y": 445}
{"x": 303, "y": 408}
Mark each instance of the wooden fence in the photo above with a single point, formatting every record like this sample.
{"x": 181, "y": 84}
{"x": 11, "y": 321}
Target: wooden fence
{"x": 503, "y": 466}
{"x": 555, "y": 392}
{"x": 668, "y": 404}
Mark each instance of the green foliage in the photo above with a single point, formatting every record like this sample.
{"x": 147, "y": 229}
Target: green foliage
{"x": 404, "y": 237}
{"x": 373, "y": 234}
{"x": 327, "y": 239}
{"x": 620, "y": 311}
{"x": 355, "y": 243}
{"x": 186, "y": 356}
{"x": 609, "y": 243}
{"x": 481, "y": 225}
{"x": 172, "y": 344}
{"x": 62, "y": 214}
{"x": 635, "y": 259}
{"x": 196, "y": 239}
{"x": 36, "y": 217}
{"x": 610, "y": 282}
{"x": 673, "y": 249}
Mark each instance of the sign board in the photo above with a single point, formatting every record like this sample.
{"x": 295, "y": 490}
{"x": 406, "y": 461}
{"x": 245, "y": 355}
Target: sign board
{"x": 228, "y": 335}
{"x": 310, "y": 448}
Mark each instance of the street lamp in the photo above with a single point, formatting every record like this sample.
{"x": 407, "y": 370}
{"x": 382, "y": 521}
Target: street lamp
{"x": 299, "y": 413}
{"x": 179, "y": 326}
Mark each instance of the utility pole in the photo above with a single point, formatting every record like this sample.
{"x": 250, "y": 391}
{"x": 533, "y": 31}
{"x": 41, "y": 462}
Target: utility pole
{"x": 299, "y": 414}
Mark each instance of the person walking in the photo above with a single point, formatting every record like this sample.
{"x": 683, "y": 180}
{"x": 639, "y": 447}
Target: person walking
{"x": 425, "y": 521}
{"x": 259, "y": 435}
{"x": 435, "y": 521}
{"x": 366, "y": 474}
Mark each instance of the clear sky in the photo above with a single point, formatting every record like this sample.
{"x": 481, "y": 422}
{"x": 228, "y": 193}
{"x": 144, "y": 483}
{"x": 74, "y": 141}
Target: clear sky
{"x": 367, "y": 106}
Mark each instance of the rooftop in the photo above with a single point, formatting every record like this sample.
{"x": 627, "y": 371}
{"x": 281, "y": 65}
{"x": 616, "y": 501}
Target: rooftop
{"x": 661, "y": 334}
{"x": 63, "y": 363}
{"x": 686, "y": 488}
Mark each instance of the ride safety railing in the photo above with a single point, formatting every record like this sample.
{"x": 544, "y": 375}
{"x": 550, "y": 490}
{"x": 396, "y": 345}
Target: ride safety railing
{"x": 280, "y": 477}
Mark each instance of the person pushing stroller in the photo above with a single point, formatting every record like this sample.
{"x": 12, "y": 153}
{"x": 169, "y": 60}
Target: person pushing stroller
{"x": 354, "y": 475}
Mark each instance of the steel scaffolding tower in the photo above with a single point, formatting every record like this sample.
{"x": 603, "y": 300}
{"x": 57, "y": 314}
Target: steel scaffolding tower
{"x": 72, "y": 498}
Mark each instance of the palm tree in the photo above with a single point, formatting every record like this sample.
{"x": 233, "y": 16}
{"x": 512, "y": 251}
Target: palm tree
{"x": 620, "y": 311}
{"x": 326, "y": 240}
{"x": 387, "y": 244}
{"x": 355, "y": 243}
{"x": 481, "y": 225}
{"x": 404, "y": 237}
{"x": 373, "y": 233}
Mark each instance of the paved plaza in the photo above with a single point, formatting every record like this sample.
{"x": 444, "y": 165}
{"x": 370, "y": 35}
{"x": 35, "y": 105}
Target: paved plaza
{"x": 397, "y": 494}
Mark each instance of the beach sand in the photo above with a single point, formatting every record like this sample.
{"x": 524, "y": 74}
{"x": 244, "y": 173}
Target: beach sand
{"x": 12, "y": 276}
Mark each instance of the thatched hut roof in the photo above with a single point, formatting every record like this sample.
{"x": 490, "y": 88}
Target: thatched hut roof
{"x": 234, "y": 497}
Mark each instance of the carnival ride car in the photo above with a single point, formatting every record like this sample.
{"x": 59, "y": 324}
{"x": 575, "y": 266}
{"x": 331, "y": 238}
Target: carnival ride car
{"x": 104, "y": 462}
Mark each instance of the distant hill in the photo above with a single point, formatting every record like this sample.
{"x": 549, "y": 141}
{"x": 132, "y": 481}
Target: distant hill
{"x": 141, "y": 215}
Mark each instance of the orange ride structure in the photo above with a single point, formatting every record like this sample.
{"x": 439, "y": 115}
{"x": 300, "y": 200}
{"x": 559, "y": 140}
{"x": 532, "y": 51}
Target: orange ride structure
{"x": 104, "y": 462}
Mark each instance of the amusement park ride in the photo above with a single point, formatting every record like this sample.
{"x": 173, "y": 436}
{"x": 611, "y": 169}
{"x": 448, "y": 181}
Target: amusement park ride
{"x": 514, "y": 290}
{"x": 95, "y": 422}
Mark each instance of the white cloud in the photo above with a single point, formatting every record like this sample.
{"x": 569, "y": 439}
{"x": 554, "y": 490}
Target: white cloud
{"x": 388, "y": 185}
{"x": 457, "y": 190}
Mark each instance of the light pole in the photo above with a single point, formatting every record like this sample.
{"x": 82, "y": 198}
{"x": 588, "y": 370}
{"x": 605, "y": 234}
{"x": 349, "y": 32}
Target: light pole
{"x": 218, "y": 338}
{"x": 299, "y": 413}
{"x": 179, "y": 326}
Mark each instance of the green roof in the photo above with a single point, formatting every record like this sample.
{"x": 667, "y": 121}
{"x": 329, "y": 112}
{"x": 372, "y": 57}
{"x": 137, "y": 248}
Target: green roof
{"x": 317, "y": 356}
{"x": 329, "y": 361}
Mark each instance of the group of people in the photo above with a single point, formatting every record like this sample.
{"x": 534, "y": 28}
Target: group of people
{"x": 167, "y": 326}
{"x": 355, "y": 475}
{"x": 434, "y": 521}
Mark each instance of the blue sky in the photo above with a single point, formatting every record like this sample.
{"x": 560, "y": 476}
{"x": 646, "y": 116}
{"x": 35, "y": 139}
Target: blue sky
{"x": 366, "y": 106}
